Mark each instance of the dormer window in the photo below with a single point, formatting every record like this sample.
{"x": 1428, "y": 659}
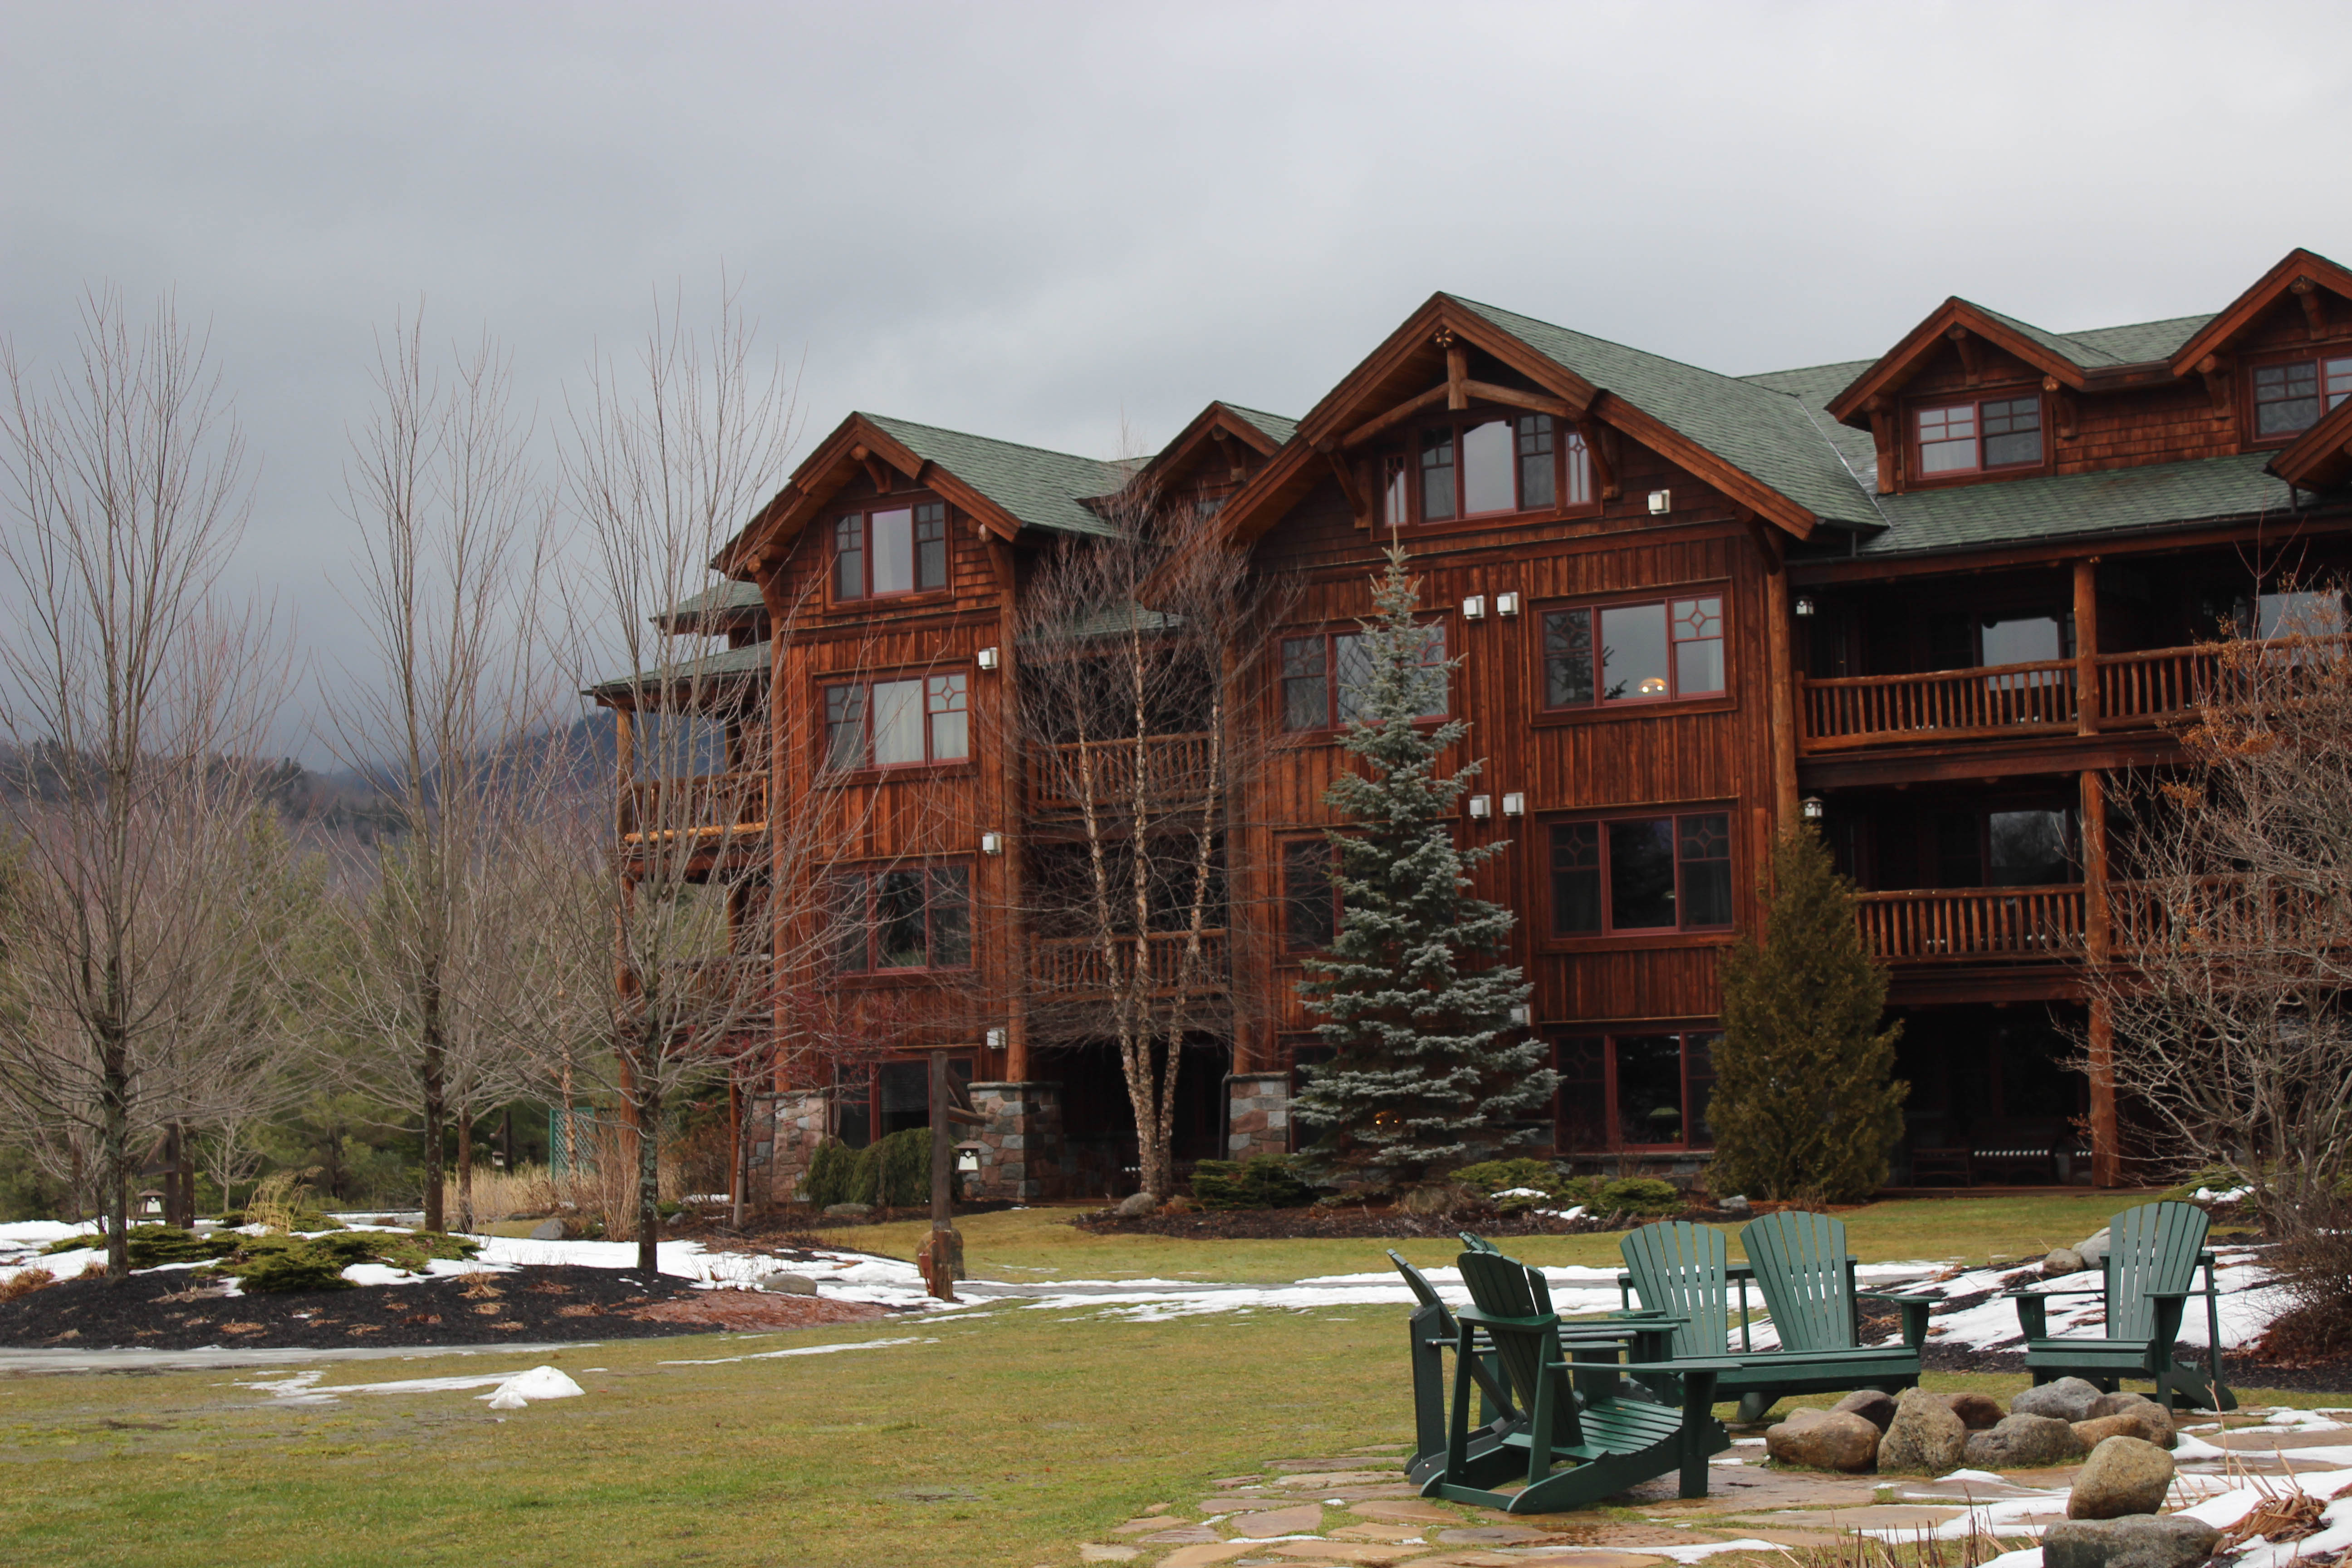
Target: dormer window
{"x": 2289, "y": 398}
{"x": 1485, "y": 467}
{"x": 1971, "y": 438}
{"x": 897, "y": 549}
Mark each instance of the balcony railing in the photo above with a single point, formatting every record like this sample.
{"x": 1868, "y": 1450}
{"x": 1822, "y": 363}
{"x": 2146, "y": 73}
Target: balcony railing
{"x": 1959, "y": 925}
{"x": 2219, "y": 916}
{"x": 710, "y": 805}
{"x": 1076, "y": 965}
{"x": 1177, "y": 768}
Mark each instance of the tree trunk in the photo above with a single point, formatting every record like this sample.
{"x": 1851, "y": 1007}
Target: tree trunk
{"x": 434, "y": 1121}
{"x": 115, "y": 1153}
{"x": 464, "y": 1171}
{"x": 649, "y": 1114}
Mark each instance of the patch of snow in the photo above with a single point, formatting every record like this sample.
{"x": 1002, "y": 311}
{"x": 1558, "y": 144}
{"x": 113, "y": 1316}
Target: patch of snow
{"x": 1709, "y": 1548}
{"x": 802, "y": 1350}
{"x": 1523, "y": 1192}
{"x": 538, "y": 1383}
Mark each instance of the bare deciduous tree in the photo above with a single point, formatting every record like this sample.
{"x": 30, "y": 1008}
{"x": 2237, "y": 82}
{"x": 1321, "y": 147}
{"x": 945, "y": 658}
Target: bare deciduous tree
{"x": 135, "y": 707}
{"x": 2233, "y": 921}
{"x": 454, "y": 729}
{"x": 1136, "y": 656}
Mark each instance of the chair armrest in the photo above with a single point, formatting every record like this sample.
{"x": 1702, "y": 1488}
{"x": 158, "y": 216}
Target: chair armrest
{"x": 1694, "y": 1363}
{"x": 1915, "y": 1311}
{"x": 2012, "y": 1295}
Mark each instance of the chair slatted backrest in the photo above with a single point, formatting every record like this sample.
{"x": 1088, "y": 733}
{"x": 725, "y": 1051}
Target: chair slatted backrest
{"x": 1799, "y": 1263}
{"x": 2153, "y": 1247}
{"x": 1424, "y": 1291}
{"x": 1683, "y": 1270}
{"x": 1504, "y": 1288}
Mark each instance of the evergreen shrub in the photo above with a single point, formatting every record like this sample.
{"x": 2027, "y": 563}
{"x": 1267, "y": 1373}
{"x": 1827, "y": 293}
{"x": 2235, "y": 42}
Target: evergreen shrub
{"x": 1644, "y": 1196}
{"x": 1260, "y": 1181}
{"x": 831, "y": 1166}
{"x": 895, "y": 1172}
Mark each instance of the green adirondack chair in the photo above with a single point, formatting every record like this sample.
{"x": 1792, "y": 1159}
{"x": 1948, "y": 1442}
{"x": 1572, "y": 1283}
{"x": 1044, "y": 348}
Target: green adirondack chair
{"x": 2153, "y": 1254}
{"x": 1685, "y": 1269}
{"x": 1607, "y": 1443}
{"x": 1433, "y": 1332}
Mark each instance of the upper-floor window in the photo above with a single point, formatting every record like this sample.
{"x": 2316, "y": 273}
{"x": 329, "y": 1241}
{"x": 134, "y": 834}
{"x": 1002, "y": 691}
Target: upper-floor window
{"x": 916, "y": 917}
{"x": 1516, "y": 464}
{"x": 1650, "y": 652}
{"x": 898, "y": 723}
{"x": 1648, "y": 873}
{"x": 1310, "y": 895}
{"x": 1325, "y": 675}
{"x": 898, "y": 550}
{"x": 1990, "y": 433}
{"x": 2290, "y": 397}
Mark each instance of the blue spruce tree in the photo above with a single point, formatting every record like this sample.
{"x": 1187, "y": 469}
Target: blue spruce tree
{"x": 1428, "y": 1071}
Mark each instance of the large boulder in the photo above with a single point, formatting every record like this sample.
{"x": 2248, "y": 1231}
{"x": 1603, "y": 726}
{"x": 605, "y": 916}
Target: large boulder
{"x": 1824, "y": 1440}
{"x": 2025, "y": 1442}
{"x": 1136, "y": 1203}
{"x": 2092, "y": 1249}
{"x": 1870, "y": 1405}
{"x": 2140, "y": 1540}
{"x": 2124, "y": 1400}
{"x": 1977, "y": 1412}
{"x": 1924, "y": 1437}
{"x": 2147, "y": 1423}
{"x": 785, "y": 1284}
{"x": 2063, "y": 1260}
{"x": 2123, "y": 1476}
{"x": 2068, "y": 1399}
{"x": 548, "y": 1230}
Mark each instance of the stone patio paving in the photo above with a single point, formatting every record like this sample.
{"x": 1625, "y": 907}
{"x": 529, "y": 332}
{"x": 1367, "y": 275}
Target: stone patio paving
{"x": 1357, "y": 1508}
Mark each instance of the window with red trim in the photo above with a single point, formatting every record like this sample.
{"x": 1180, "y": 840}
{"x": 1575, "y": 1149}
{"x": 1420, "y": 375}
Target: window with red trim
{"x": 1654, "y": 652}
{"x": 908, "y": 722}
{"x": 1636, "y": 1091}
{"x": 1310, "y": 895}
{"x": 1641, "y": 874}
{"x": 1486, "y": 466}
{"x": 917, "y": 917}
{"x": 890, "y": 550}
{"x": 2289, "y": 398}
{"x": 1325, "y": 674}
{"x": 1978, "y": 435}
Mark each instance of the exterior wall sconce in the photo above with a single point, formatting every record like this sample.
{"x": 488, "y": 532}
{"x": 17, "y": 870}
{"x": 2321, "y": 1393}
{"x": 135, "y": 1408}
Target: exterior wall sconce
{"x": 995, "y": 1038}
{"x": 1474, "y": 608}
{"x": 1507, "y": 603}
{"x": 1803, "y": 607}
{"x": 992, "y": 843}
{"x": 1515, "y": 805}
{"x": 1813, "y": 808}
{"x": 1519, "y": 1015}
{"x": 1482, "y": 806}
{"x": 987, "y": 660}
{"x": 1661, "y": 502}
{"x": 968, "y": 1159}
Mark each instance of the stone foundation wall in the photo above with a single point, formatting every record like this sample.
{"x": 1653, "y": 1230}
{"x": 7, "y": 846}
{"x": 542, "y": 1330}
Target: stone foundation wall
{"x": 1259, "y": 1114}
{"x": 795, "y": 1123}
{"x": 1019, "y": 1142}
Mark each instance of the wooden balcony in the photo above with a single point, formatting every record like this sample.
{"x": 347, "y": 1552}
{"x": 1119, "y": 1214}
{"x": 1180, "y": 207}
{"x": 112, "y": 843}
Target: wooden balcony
{"x": 711, "y": 806}
{"x": 1998, "y": 701}
{"x": 1176, "y": 769}
{"x": 2222, "y": 917}
{"x": 1972, "y": 925}
{"x": 1077, "y": 966}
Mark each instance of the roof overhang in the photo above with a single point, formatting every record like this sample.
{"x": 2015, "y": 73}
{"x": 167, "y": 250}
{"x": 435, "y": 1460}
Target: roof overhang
{"x": 856, "y": 447}
{"x": 1958, "y": 322}
{"x": 1213, "y": 425}
{"x": 2321, "y": 457}
{"x": 2302, "y": 275}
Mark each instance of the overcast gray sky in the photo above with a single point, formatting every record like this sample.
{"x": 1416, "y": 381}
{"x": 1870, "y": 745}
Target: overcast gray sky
{"x": 1042, "y": 221}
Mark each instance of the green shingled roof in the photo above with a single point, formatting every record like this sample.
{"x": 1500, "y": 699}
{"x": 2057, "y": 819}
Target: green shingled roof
{"x": 1275, "y": 427}
{"x": 720, "y": 664}
{"x": 1765, "y": 433}
{"x": 720, "y": 601}
{"x": 2140, "y": 344}
{"x": 2064, "y": 506}
{"x": 1110, "y": 620}
{"x": 1039, "y": 488}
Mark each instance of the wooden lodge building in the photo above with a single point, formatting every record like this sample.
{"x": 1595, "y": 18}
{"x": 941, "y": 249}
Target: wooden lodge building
{"x": 1932, "y": 601}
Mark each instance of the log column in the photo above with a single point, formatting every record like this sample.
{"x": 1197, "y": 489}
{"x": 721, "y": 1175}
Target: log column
{"x": 2087, "y": 647}
{"x": 1783, "y": 678}
{"x": 2106, "y": 1159}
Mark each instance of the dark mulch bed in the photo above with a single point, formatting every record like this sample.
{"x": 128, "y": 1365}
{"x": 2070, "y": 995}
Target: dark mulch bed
{"x": 165, "y": 1311}
{"x": 2239, "y": 1371}
{"x": 1276, "y": 1225}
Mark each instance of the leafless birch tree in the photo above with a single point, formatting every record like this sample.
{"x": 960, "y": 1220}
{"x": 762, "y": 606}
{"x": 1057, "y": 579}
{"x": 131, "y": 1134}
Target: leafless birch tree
{"x": 454, "y": 725}
{"x": 1136, "y": 658}
{"x": 2233, "y": 921}
{"x": 134, "y": 708}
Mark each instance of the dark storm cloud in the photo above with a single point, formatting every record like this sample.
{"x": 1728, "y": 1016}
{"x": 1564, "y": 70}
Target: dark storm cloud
{"x": 1041, "y": 221}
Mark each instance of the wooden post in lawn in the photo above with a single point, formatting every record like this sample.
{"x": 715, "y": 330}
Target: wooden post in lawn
{"x": 940, "y": 1256}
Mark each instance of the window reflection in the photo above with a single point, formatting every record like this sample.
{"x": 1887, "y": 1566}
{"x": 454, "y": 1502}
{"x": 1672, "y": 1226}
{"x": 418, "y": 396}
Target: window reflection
{"x": 1487, "y": 469}
{"x": 1633, "y": 653}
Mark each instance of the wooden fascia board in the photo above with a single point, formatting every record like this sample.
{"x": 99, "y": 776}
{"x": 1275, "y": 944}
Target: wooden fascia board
{"x": 817, "y": 479}
{"x": 1897, "y": 365}
{"x": 2321, "y": 457}
{"x": 1736, "y": 483}
{"x": 2154, "y": 538}
{"x": 2243, "y": 311}
{"x": 1214, "y": 417}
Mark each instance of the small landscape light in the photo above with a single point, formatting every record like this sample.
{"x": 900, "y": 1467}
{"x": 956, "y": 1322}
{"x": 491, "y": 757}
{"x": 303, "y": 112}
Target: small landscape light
{"x": 1813, "y": 808}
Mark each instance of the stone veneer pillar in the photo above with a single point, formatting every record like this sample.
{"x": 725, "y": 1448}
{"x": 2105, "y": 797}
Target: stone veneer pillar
{"x": 797, "y": 1121}
{"x": 1019, "y": 1141}
{"x": 1259, "y": 1114}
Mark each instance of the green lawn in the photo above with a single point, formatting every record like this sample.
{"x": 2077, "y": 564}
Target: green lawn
{"x": 1041, "y": 1244}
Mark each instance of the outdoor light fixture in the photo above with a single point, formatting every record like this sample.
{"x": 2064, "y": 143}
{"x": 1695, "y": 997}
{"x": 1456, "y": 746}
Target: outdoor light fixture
{"x": 1519, "y": 1015}
{"x": 1482, "y": 806}
{"x": 988, "y": 659}
{"x": 1515, "y": 805}
{"x": 968, "y": 1159}
{"x": 1803, "y": 607}
{"x": 992, "y": 843}
{"x": 1507, "y": 603}
{"x": 1474, "y": 608}
{"x": 1813, "y": 808}
{"x": 1661, "y": 502}
{"x": 995, "y": 1038}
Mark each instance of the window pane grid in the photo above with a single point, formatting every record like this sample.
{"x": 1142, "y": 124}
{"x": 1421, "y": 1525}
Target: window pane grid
{"x": 1647, "y": 1090}
{"x": 894, "y": 549}
{"x": 898, "y": 723}
{"x": 910, "y": 918}
{"x": 1641, "y": 874}
{"x": 1324, "y": 676}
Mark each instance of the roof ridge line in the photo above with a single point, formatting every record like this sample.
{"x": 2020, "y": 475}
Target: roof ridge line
{"x": 993, "y": 440}
{"x": 1612, "y": 343}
